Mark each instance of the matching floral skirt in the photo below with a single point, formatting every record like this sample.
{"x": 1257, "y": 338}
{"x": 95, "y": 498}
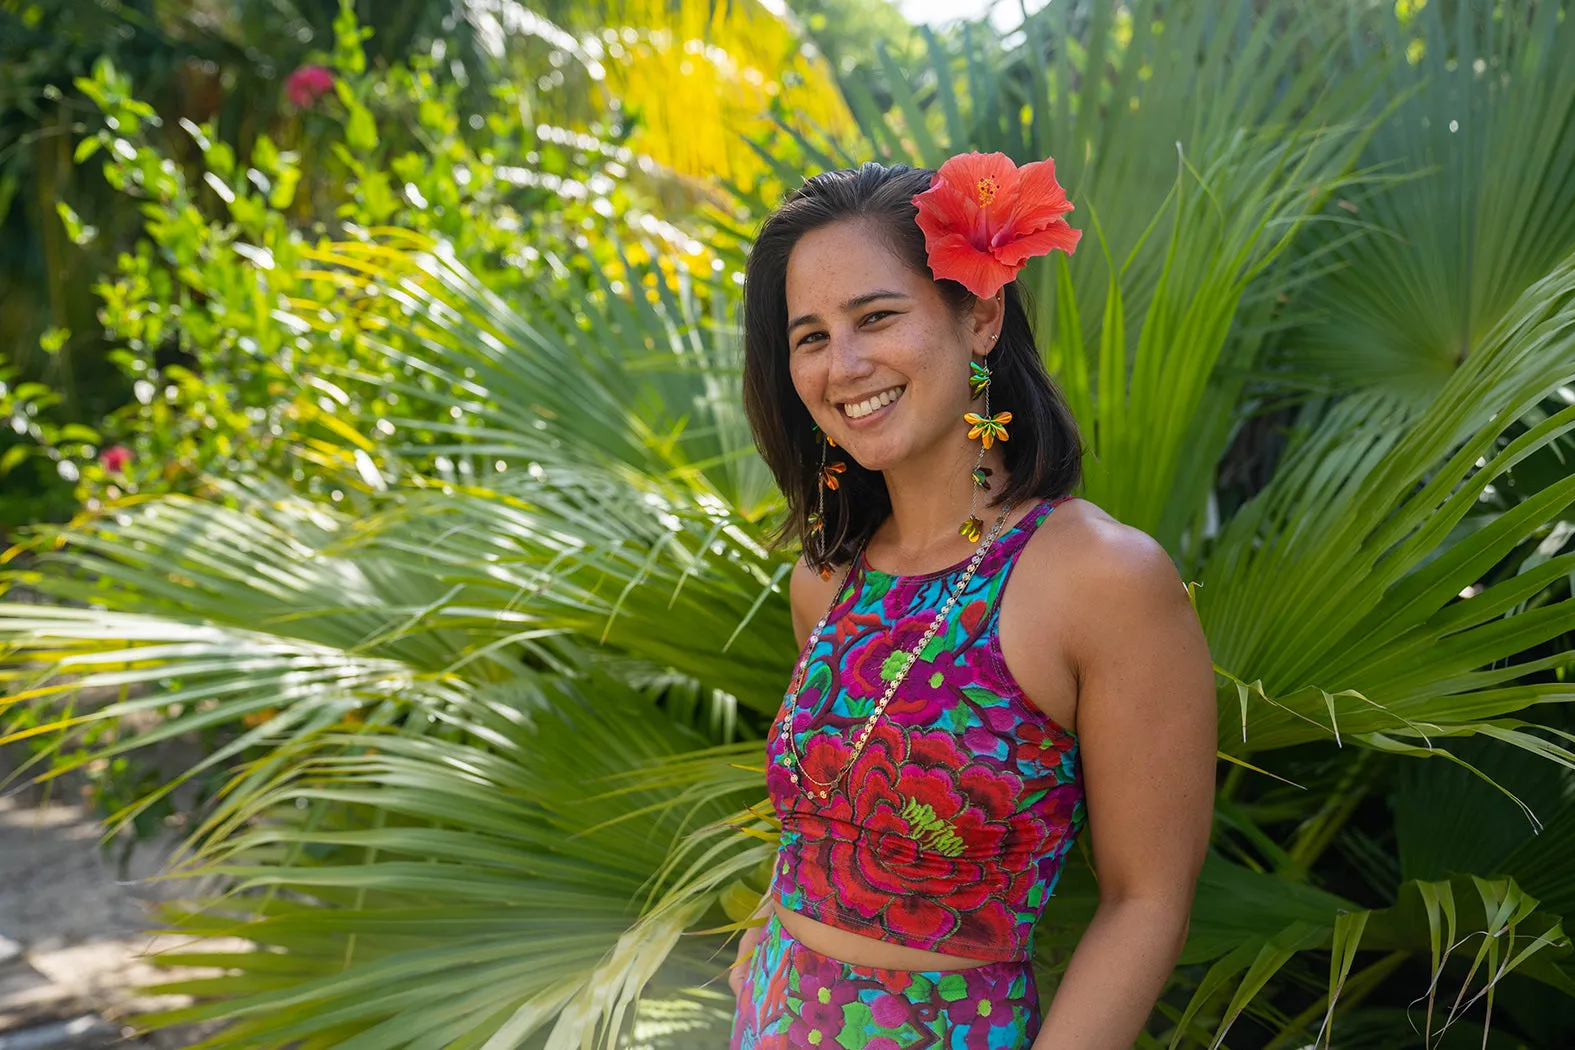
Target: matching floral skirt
{"x": 794, "y": 997}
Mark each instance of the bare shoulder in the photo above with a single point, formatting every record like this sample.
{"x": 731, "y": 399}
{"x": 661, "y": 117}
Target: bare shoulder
{"x": 1115, "y": 576}
{"x": 1094, "y": 550}
{"x": 808, "y": 595}
{"x": 1089, "y": 596}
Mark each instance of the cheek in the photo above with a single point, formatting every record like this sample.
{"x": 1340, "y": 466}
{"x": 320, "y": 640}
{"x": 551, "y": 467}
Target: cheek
{"x": 808, "y": 379}
{"x": 935, "y": 379}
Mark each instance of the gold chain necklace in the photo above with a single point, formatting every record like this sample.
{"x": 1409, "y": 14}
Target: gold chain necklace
{"x": 910, "y": 657}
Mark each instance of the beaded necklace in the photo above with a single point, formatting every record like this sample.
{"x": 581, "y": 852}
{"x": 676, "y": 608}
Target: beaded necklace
{"x": 790, "y": 756}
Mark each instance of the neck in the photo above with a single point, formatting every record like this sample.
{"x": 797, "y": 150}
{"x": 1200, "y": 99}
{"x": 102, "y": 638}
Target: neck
{"x": 930, "y": 497}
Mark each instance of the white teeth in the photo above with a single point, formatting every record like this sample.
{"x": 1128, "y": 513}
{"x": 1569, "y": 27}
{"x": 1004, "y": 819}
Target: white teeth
{"x": 864, "y": 408}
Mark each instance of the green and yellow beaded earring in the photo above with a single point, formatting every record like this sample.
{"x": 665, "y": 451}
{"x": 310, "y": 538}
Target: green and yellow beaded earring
{"x": 988, "y": 429}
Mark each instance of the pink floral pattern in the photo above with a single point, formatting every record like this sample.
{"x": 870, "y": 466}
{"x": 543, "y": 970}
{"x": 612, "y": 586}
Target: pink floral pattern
{"x": 949, "y": 832}
{"x": 794, "y": 997}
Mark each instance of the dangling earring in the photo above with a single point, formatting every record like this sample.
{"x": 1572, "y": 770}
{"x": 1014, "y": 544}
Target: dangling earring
{"x": 988, "y": 429}
{"x": 826, "y": 478}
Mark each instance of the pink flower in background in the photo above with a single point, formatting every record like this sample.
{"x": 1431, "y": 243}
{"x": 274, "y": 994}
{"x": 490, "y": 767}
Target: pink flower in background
{"x": 307, "y": 84}
{"x": 114, "y": 458}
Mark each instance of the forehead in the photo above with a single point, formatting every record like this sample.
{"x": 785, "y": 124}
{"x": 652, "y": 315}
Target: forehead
{"x": 834, "y": 262}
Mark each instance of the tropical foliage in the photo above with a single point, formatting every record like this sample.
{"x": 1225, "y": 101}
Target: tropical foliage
{"x": 487, "y": 637}
{"x": 506, "y": 129}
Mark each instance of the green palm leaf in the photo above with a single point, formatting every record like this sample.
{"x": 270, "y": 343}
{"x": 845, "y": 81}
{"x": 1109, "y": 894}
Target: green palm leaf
{"x": 1483, "y": 128}
{"x": 1331, "y": 587}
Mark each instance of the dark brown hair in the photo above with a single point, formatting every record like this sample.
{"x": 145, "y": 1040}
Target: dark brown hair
{"x": 1045, "y": 453}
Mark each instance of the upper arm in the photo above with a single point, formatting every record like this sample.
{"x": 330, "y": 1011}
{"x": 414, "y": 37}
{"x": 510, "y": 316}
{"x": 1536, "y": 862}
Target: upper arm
{"x": 805, "y": 588}
{"x": 1147, "y": 717}
{"x": 809, "y": 595}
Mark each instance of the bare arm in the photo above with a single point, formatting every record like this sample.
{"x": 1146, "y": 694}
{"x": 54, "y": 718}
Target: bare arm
{"x": 1147, "y": 729}
{"x": 804, "y": 588}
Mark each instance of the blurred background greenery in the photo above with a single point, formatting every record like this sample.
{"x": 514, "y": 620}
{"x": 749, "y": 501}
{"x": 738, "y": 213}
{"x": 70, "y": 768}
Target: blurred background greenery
{"x": 372, "y": 380}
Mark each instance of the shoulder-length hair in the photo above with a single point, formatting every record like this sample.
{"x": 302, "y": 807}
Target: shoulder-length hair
{"x": 1045, "y": 453}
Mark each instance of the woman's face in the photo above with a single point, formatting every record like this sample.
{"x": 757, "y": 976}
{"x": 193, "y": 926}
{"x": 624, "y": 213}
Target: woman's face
{"x": 877, "y": 356}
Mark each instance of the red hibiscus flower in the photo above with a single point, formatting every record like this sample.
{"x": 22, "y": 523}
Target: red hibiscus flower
{"x": 114, "y": 458}
{"x": 307, "y": 84}
{"x": 983, "y": 218}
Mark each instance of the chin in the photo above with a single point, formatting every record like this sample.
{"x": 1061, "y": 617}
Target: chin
{"x": 876, "y": 455}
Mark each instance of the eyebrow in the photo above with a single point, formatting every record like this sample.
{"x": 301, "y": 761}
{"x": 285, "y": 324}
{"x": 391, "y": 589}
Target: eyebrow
{"x": 852, "y": 304}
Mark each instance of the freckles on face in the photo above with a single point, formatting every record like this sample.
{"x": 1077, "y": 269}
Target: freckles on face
{"x": 876, "y": 371}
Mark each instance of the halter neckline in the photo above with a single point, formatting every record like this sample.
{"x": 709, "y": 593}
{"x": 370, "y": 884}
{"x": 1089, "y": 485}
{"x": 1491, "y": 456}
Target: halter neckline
{"x": 865, "y": 568}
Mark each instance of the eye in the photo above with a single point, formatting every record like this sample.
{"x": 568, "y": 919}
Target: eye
{"x": 873, "y": 315}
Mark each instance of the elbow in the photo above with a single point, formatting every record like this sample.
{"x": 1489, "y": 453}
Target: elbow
{"x": 1167, "y": 916}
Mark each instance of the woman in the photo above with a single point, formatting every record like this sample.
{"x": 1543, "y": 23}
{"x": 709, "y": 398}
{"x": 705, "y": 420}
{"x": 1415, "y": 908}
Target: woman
{"x": 946, "y": 737}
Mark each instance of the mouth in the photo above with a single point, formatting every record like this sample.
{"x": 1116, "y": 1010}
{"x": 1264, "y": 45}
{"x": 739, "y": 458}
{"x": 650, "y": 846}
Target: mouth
{"x": 871, "y": 405}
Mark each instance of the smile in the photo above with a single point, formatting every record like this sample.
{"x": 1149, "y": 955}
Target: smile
{"x": 860, "y": 409}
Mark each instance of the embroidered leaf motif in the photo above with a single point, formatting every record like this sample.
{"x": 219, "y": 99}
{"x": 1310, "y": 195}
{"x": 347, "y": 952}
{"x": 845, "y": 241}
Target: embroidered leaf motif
{"x": 952, "y": 987}
{"x": 856, "y": 1017}
{"x": 959, "y": 716}
{"x": 894, "y": 664}
{"x": 1028, "y": 802}
{"x": 929, "y": 831}
{"x": 980, "y": 695}
{"x": 876, "y": 586}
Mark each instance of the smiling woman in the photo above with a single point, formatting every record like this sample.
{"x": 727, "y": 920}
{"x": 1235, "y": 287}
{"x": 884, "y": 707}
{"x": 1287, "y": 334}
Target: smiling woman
{"x": 869, "y": 327}
{"x": 947, "y": 738}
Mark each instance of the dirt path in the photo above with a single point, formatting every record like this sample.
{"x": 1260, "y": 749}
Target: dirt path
{"x": 72, "y": 933}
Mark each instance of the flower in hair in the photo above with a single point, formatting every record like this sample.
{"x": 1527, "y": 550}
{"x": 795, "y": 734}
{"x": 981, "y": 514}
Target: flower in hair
{"x": 983, "y": 218}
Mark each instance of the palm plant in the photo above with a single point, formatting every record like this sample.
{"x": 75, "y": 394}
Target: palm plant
{"x": 453, "y": 619}
{"x": 496, "y": 698}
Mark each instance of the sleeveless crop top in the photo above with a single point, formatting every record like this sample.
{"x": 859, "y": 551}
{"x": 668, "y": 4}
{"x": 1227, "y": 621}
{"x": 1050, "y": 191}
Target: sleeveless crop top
{"x": 949, "y": 832}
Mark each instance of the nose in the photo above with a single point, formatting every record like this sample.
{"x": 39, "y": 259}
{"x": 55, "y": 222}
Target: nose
{"x": 849, "y": 363}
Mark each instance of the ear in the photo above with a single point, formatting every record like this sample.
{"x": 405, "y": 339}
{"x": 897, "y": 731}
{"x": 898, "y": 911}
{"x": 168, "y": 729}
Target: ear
{"x": 985, "y": 318}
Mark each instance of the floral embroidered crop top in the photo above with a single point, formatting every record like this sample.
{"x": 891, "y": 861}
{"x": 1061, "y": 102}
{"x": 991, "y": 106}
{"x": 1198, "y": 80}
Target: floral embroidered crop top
{"x": 949, "y": 832}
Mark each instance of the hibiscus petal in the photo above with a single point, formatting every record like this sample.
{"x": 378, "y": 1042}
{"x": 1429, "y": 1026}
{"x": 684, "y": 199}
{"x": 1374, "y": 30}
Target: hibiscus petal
{"x": 945, "y": 211}
{"x": 1024, "y": 247}
{"x": 979, "y": 272}
{"x": 1040, "y": 199}
{"x": 966, "y": 169}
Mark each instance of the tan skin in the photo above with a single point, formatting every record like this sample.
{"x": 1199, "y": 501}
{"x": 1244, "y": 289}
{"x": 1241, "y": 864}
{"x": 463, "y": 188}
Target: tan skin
{"x": 1094, "y": 625}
